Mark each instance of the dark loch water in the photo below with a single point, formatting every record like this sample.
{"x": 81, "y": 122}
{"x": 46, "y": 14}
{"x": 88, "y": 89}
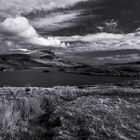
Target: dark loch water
{"x": 37, "y": 77}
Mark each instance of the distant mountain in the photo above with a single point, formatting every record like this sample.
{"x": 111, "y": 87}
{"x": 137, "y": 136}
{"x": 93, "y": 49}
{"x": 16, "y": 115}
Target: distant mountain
{"x": 24, "y": 61}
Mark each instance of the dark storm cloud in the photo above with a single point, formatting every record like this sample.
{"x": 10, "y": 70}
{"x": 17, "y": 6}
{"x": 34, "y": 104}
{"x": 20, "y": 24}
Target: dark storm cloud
{"x": 95, "y": 13}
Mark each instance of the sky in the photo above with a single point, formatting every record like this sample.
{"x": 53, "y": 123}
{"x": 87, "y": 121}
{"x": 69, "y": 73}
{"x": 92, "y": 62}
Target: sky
{"x": 16, "y": 7}
{"x": 98, "y": 24}
{"x": 17, "y": 27}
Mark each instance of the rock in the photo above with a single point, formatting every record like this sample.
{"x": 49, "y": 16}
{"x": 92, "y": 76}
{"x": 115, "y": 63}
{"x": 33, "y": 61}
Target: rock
{"x": 46, "y": 71}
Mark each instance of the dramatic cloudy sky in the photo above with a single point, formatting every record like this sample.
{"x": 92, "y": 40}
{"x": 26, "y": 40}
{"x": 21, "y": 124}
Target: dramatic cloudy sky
{"x": 13, "y": 7}
{"x": 19, "y": 27}
{"x": 74, "y": 25}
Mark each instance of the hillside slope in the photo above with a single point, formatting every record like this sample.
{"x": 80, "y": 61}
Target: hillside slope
{"x": 98, "y": 112}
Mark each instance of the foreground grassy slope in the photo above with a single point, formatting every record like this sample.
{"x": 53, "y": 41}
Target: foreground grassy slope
{"x": 70, "y": 113}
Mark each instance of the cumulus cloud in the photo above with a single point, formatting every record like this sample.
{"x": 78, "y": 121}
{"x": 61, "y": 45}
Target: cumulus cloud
{"x": 104, "y": 41}
{"x": 20, "y": 27}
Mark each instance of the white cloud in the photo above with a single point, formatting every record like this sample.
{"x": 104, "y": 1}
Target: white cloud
{"x": 14, "y": 7}
{"x": 54, "y": 21}
{"x": 100, "y": 36}
{"x": 104, "y": 42}
{"x": 93, "y": 37}
{"x": 20, "y": 28}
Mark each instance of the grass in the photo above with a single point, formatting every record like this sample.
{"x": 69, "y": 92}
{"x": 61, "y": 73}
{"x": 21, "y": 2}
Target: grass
{"x": 70, "y": 113}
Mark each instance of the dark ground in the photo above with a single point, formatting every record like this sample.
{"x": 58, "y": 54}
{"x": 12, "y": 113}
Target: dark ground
{"x": 68, "y": 113}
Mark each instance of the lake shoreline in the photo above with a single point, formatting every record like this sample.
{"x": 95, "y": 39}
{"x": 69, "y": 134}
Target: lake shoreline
{"x": 51, "y": 76}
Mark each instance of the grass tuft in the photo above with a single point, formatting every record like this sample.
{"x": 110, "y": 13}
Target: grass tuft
{"x": 69, "y": 113}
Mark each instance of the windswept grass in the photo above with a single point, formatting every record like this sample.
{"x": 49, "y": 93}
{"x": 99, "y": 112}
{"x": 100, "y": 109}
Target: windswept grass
{"x": 70, "y": 113}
